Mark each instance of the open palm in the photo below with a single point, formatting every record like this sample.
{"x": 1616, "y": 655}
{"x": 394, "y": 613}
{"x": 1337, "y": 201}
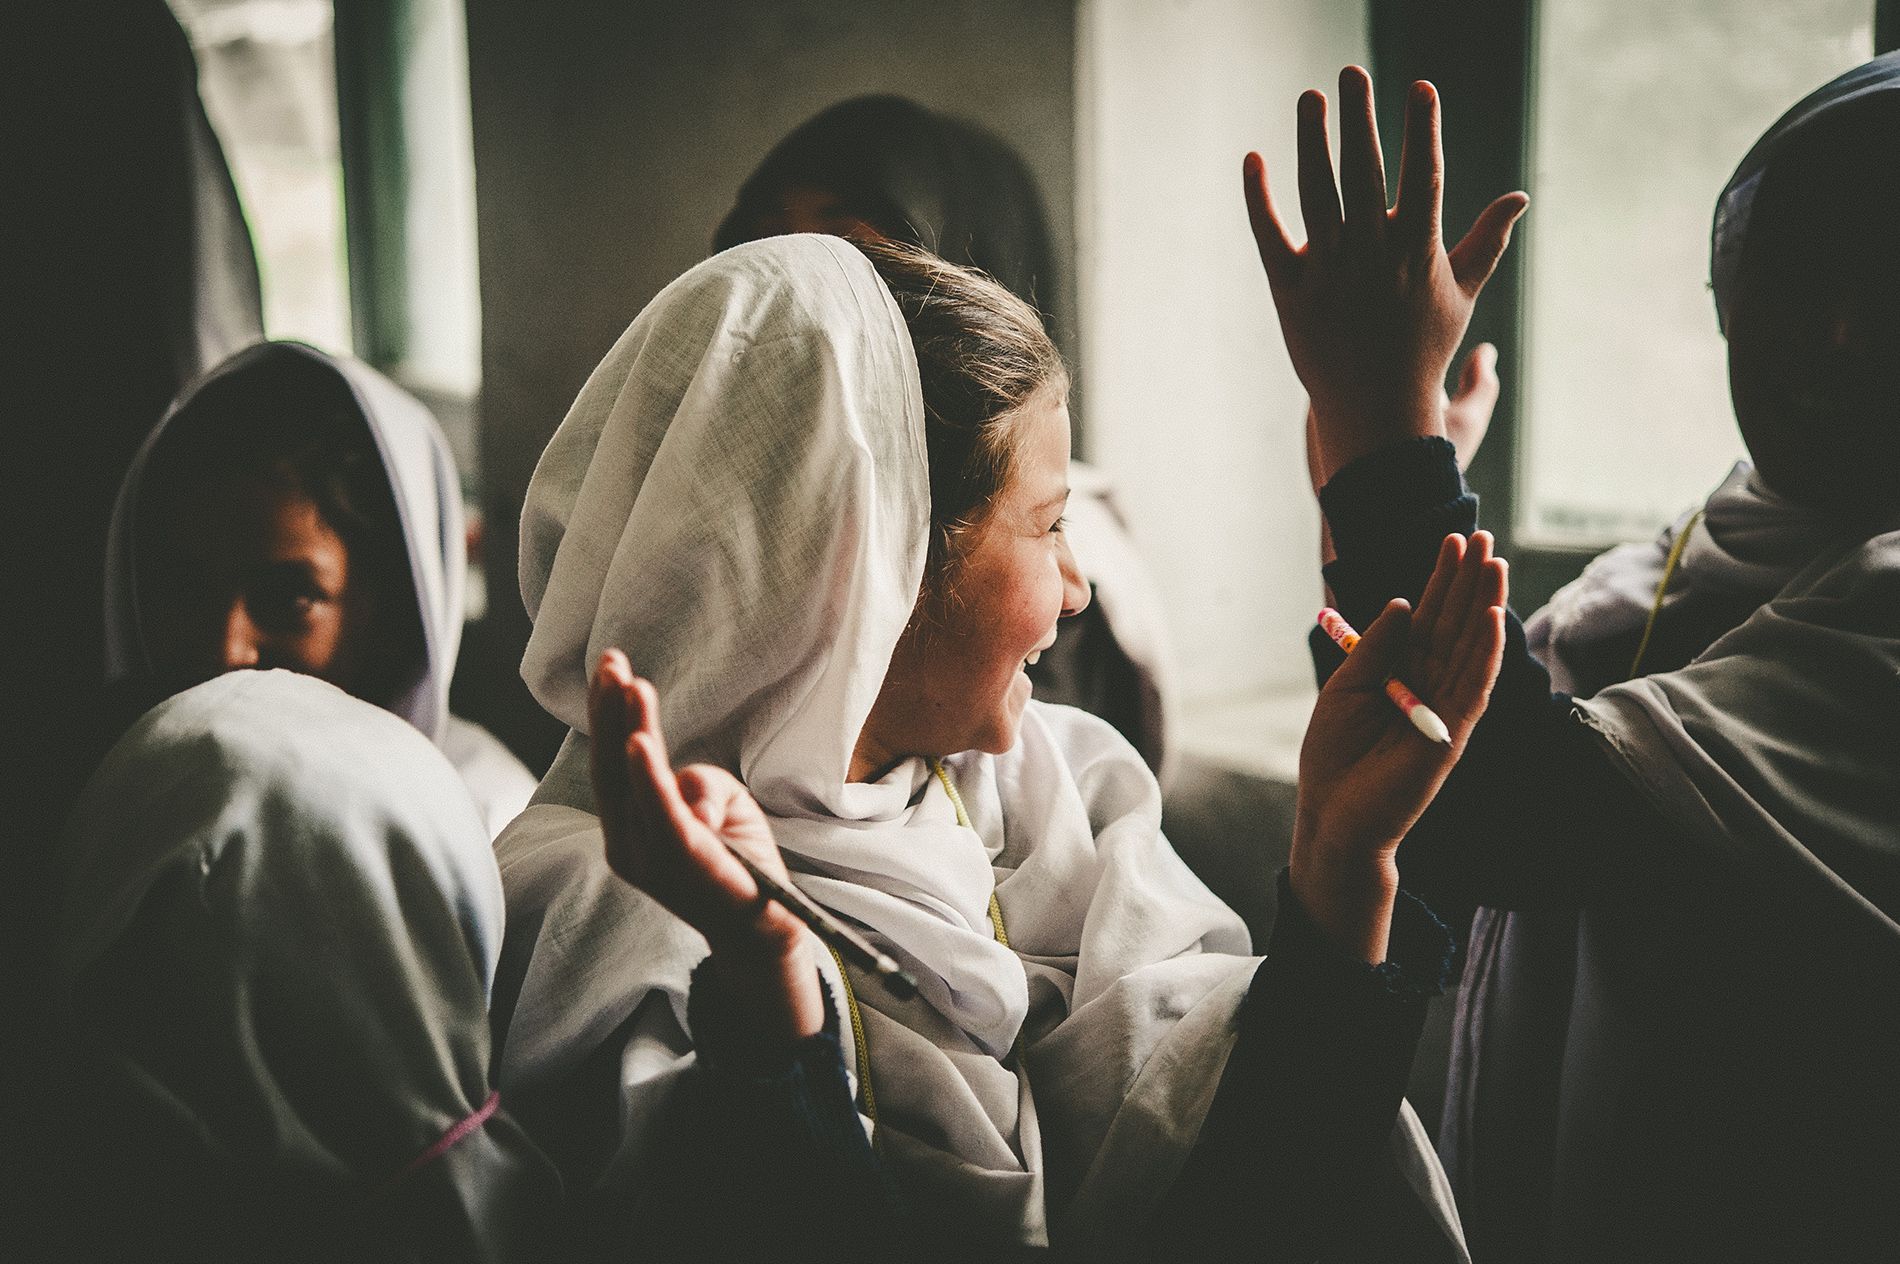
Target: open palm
{"x": 1373, "y": 305}
{"x": 669, "y": 833}
{"x": 1366, "y": 774}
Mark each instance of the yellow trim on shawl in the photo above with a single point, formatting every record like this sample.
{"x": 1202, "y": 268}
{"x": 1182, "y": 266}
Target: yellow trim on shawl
{"x": 1662, "y": 588}
{"x": 867, "y": 1097}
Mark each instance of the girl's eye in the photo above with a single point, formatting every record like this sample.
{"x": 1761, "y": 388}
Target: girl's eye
{"x": 286, "y": 600}
{"x": 1056, "y": 527}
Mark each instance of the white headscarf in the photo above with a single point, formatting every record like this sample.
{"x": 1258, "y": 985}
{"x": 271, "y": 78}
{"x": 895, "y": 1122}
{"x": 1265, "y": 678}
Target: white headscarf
{"x": 428, "y": 497}
{"x": 299, "y": 883}
{"x": 739, "y": 499}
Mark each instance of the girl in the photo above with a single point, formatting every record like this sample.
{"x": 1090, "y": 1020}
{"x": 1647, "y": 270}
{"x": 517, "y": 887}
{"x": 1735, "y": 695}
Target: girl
{"x": 815, "y": 494}
{"x": 300, "y": 510}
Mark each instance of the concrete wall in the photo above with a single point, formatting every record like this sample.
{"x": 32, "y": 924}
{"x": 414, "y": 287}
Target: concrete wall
{"x": 1192, "y": 404}
{"x": 610, "y": 136}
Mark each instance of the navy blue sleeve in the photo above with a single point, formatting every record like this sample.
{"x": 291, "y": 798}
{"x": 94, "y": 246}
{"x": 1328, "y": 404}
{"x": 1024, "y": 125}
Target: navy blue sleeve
{"x": 1534, "y": 815}
{"x": 766, "y": 1157}
{"x": 1307, "y": 1102}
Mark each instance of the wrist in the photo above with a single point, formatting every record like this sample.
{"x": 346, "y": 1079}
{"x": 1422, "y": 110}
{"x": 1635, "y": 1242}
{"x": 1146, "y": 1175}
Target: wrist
{"x": 1352, "y": 429}
{"x": 775, "y": 984}
{"x": 1348, "y": 895}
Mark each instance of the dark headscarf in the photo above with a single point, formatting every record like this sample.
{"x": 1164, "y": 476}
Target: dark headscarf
{"x": 915, "y": 176}
{"x": 1799, "y": 127}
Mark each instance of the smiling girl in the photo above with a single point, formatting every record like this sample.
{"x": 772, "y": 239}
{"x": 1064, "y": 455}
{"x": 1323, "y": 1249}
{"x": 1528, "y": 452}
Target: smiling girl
{"x": 814, "y": 495}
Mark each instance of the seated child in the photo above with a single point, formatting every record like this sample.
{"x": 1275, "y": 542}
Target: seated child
{"x": 280, "y": 917}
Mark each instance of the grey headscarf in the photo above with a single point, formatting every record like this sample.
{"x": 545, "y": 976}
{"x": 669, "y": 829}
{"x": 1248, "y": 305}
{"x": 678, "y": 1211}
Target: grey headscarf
{"x": 279, "y": 922}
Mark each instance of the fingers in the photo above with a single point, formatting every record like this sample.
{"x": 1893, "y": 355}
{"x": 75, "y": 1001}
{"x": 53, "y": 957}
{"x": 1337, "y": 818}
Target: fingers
{"x": 1478, "y": 380}
{"x": 1269, "y": 234}
{"x": 662, "y": 814}
{"x": 1361, "y": 165}
{"x": 1475, "y": 257}
{"x": 1459, "y": 600}
{"x": 643, "y": 712}
{"x": 712, "y": 796}
{"x": 1417, "y": 218}
{"x": 1484, "y": 655}
{"x": 1479, "y": 648}
{"x": 1319, "y": 200}
{"x": 1451, "y": 551}
{"x": 607, "y": 707}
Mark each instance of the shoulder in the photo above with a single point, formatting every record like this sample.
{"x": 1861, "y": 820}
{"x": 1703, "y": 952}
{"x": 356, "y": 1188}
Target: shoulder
{"x": 500, "y": 783}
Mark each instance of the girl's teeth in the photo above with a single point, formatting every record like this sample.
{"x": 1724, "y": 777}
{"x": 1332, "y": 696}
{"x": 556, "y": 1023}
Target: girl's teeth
{"x": 1031, "y": 660}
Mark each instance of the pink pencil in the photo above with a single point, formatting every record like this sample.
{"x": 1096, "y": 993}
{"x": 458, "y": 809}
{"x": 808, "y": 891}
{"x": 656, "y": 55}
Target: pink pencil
{"x": 1423, "y": 718}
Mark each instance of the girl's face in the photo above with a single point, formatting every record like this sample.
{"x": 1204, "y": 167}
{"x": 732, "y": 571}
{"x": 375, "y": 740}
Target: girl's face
{"x": 956, "y": 679}
{"x": 247, "y": 573}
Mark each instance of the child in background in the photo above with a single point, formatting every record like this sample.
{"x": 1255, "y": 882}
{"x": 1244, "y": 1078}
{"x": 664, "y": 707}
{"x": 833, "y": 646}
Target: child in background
{"x": 300, "y": 510}
{"x": 1677, "y": 1036}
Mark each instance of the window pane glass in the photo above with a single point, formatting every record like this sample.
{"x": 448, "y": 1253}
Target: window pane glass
{"x": 267, "y": 73}
{"x": 1640, "y": 113}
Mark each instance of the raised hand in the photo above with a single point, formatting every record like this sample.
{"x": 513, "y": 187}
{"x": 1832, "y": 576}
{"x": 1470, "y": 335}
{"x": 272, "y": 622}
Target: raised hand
{"x": 1366, "y": 774}
{"x": 668, "y": 833}
{"x": 1373, "y": 305}
{"x": 1468, "y": 412}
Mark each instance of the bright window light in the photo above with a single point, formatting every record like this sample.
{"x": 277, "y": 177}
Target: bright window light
{"x": 1640, "y": 112}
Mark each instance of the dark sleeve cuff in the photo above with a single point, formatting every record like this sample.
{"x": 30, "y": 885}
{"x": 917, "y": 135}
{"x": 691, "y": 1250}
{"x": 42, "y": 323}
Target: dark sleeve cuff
{"x": 1388, "y": 511}
{"x": 765, "y": 1148}
{"x": 1418, "y": 955}
{"x": 729, "y": 1045}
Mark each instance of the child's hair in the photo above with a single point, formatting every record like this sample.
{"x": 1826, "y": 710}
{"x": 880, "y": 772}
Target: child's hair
{"x": 982, "y": 354}
{"x": 293, "y": 424}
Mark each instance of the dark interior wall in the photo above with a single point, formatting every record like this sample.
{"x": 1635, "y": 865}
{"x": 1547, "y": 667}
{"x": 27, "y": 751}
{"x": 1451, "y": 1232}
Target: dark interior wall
{"x": 611, "y": 135}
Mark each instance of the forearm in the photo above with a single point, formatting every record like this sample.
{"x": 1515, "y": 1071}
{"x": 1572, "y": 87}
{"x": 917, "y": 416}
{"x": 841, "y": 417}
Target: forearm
{"x": 1310, "y": 1093}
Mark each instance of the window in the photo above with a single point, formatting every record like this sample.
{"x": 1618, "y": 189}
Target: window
{"x": 1639, "y": 112}
{"x": 346, "y": 127}
{"x": 266, "y": 71}
{"x": 1186, "y": 398}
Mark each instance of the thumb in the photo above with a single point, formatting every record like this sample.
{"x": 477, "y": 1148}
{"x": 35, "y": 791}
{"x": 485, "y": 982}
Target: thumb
{"x": 1480, "y": 375}
{"x": 1380, "y": 652}
{"x": 1476, "y": 257}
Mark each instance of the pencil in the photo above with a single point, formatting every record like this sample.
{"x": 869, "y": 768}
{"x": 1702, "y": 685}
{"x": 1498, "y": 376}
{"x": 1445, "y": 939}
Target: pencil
{"x": 897, "y": 981}
{"x": 1423, "y": 718}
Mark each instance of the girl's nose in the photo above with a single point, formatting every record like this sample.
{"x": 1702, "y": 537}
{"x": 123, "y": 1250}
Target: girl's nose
{"x": 1075, "y": 589}
{"x": 241, "y": 638}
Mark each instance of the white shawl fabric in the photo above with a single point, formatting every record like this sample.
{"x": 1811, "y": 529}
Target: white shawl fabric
{"x": 739, "y": 499}
{"x": 428, "y": 498}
